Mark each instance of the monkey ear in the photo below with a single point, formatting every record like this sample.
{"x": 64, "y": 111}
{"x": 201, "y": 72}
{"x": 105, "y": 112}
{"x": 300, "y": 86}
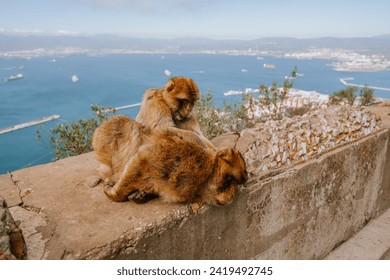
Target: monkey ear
{"x": 170, "y": 85}
{"x": 221, "y": 154}
{"x": 224, "y": 154}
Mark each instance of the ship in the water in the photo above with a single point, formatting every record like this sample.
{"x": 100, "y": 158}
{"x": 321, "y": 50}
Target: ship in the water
{"x": 269, "y": 66}
{"x": 13, "y": 78}
{"x": 75, "y": 79}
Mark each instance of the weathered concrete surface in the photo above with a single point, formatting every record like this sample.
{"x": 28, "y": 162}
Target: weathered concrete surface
{"x": 383, "y": 111}
{"x": 76, "y": 221}
{"x": 304, "y": 212}
{"x": 371, "y": 243}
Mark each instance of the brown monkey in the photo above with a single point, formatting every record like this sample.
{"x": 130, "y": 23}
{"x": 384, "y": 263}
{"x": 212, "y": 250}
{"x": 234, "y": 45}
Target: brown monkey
{"x": 164, "y": 165}
{"x": 115, "y": 141}
{"x": 173, "y": 106}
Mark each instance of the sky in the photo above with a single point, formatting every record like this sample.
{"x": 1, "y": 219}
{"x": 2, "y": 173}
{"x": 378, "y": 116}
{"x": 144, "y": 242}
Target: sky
{"x": 217, "y": 19}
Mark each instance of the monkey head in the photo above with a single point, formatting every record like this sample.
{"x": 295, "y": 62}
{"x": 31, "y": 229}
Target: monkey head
{"x": 180, "y": 94}
{"x": 230, "y": 172}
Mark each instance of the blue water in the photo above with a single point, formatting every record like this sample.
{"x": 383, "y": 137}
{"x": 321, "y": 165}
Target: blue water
{"x": 117, "y": 80}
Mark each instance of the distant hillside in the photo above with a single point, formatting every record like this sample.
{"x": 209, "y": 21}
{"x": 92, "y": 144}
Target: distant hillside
{"x": 17, "y": 42}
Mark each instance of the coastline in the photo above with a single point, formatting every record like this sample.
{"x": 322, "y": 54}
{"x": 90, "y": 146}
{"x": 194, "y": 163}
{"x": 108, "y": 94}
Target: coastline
{"x": 345, "y": 60}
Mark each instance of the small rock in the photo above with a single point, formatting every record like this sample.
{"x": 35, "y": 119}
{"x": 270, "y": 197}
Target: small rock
{"x": 92, "y": 181}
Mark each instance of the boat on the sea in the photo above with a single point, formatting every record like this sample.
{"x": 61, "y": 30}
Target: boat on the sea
{"x": 238, "y": 92}
{"x": 75, "y": 79}
{"x": 233, "y": 92}
{"x": 13, "y": 78}
{"x": 270, "y": 66}
{"x": 167, "y": 73}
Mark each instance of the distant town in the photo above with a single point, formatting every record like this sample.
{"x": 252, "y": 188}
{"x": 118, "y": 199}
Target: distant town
{"x": 346, "y": 60}
{"x": 347, "y": 54}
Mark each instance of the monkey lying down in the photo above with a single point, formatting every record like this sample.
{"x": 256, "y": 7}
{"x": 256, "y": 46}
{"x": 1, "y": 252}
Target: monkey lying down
{"x": 159, "y": 163}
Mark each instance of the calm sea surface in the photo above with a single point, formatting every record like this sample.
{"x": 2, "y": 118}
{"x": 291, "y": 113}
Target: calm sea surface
{"x": 118, "y": 80}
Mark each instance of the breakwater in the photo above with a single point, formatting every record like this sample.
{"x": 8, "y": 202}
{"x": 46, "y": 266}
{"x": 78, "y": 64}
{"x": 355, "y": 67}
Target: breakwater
{"x": 344, "y": 82}
{"x": 27, "y": 124}
{"x": 122, "y": 107}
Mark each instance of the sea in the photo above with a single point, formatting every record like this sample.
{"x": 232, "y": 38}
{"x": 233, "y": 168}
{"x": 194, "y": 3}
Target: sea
{"x": 117, "y": 80}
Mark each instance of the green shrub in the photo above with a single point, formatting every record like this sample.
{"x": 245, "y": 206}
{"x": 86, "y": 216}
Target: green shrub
{"x": 273, "y": 99}
{"x": 346, "y": 95}
{"x": 75, "y": 138}
{"x": 214, "y": 120}
{"x": 235, "y": 117}
{"x": 366, "y": 96}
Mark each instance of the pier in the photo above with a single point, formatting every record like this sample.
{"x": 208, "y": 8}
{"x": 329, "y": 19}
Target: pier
{"x": 27, "y": 124}
{"x": 344, "y": 82}
{"x": 122, "y": 107}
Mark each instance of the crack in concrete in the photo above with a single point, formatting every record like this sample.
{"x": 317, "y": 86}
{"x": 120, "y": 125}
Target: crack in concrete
{"x": 30, "y": 208}
{"x": 23, "y": 194}
{"x": 47, "y": 241}
{"x": 15, "y": 183}
{"x": 40, "y": 211}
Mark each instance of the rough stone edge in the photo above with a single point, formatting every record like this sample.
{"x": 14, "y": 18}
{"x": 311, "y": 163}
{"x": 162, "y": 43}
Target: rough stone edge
{"x": 128, "y": 241}
{"x": 14, "y": 242}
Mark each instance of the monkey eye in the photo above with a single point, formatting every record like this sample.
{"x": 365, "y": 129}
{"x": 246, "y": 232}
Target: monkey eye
{"x": 184, "y": 102}
{"x": 226, "y": 184}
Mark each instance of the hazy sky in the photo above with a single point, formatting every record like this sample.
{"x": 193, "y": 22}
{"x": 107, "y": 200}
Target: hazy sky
{"x": 228, "y": 19}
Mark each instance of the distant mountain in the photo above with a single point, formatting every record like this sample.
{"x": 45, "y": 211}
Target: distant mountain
{"x": 16, "y": 42}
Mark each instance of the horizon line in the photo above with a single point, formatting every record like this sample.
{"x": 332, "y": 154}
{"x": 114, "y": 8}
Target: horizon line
{"x": 62, "y": 33}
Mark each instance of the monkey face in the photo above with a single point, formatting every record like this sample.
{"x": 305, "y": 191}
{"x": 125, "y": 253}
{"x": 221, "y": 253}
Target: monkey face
{"x": 180, "y": 94}
{"x": 233, "y": 170}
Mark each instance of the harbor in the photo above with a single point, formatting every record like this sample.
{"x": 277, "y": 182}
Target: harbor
{"x": 28, "y": 124}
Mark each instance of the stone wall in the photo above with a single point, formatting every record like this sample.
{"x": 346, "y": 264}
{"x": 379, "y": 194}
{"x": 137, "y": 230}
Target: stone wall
{"x": 300, "y": 213}
{"x": 296, "y": 209}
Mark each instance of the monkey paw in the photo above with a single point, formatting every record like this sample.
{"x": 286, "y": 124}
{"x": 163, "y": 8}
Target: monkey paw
{"x": 141, "y": 197}
{"x": 195, "y": 207}
{"x": 113, "y": 195}
{"x": 109, "y": 183}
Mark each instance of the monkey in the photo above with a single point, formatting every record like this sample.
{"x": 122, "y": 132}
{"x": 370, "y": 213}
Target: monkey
{"x": 173, "y": 106}
{"x": 164, "y": 165}
{"x": 115, "y": 141}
